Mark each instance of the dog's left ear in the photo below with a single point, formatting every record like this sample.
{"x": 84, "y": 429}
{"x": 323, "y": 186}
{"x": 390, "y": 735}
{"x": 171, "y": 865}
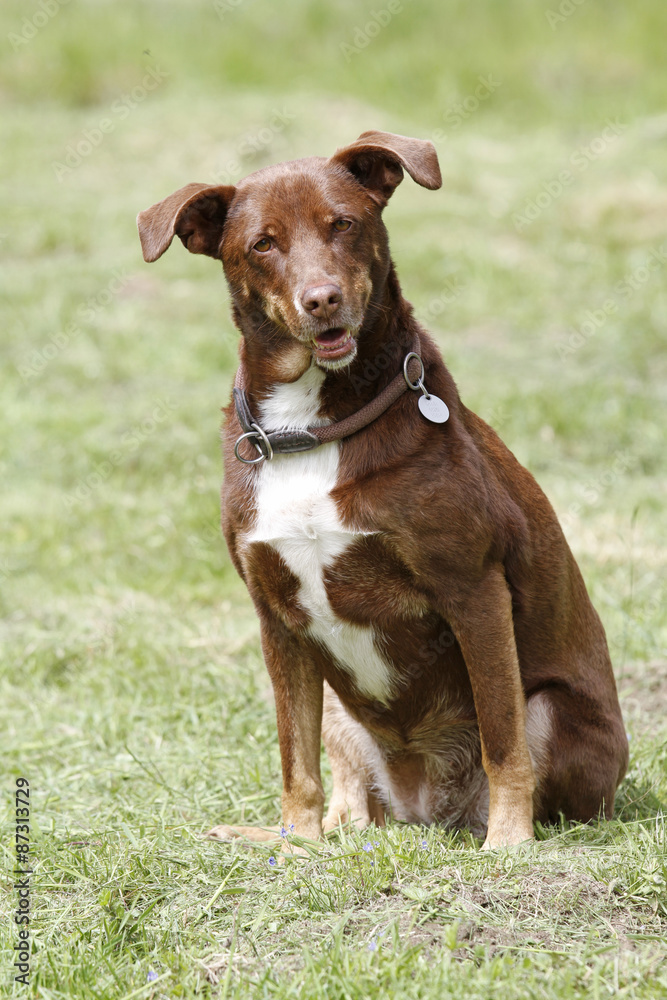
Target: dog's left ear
{"x": 195, "y": 213}
{"x": 377, "y": 160}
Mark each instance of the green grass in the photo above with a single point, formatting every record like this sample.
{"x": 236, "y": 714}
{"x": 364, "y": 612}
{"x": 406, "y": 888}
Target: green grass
{"x": 132, "y": 693}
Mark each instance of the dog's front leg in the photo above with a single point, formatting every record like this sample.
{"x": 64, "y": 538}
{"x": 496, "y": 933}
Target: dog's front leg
{"x": 483, "y": 625}
{"x": 298, "y": 688}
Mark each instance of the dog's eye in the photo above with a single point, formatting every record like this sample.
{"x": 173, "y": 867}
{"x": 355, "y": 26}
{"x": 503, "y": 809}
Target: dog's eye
{"x": 342, "y": 224}
{"x": 261, "y": 246}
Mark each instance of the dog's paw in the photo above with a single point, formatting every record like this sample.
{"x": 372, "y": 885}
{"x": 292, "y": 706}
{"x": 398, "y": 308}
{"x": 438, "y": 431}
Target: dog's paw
{"x": 514, "y": 838}
{"x": 342, "y": 816}
{"x": 258, "y": 836}
{"x": 247, "y": 832}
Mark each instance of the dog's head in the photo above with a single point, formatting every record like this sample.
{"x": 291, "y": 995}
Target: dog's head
{"x": 302, "y": 243}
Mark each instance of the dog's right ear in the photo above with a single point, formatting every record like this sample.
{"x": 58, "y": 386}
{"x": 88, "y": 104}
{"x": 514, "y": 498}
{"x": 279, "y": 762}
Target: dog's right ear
{"x": 195, "y": 213}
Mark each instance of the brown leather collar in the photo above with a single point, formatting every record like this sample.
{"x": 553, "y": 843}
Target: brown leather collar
{"x": 268, "y": 443}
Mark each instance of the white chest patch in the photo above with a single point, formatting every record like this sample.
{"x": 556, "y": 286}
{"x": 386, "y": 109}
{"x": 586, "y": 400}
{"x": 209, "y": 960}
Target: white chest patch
{"x": 297, "y": 516}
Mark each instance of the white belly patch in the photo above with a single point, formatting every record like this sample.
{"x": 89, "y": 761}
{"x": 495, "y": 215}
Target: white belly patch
{"x": 297, "y": 516}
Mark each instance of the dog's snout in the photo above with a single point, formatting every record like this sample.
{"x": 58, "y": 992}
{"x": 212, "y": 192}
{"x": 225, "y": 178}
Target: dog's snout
{"x": 322, "y": 301}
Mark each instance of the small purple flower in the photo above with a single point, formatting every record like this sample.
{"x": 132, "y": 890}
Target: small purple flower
{"x": 424, "y": 845}
{"x": 291, "y": 828}
{"x": 283, "y": 831}
{"x": 377, "y": 843}
{"x": 151, "y": 977}
{"x": 373, "y": 945}
{"x": 368, "y": 847}
{"x": 273, "y": 862}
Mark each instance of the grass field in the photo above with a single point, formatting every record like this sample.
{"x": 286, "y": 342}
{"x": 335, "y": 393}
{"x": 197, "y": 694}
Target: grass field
{"x": 132, "y": 694}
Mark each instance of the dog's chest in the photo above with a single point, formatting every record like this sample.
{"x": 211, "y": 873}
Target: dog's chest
{"x": 297, "y": 516}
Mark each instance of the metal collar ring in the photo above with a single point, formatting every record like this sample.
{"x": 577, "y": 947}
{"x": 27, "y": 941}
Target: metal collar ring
{"x": 261, "y": 443}
{"x": 419, "y": 383}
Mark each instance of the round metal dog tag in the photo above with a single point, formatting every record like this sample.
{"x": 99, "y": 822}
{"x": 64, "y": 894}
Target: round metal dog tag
{"x": 434, "y": 409}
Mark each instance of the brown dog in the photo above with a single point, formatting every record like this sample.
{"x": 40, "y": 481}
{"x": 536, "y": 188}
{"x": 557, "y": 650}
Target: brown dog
{"x": 419, "y": 606}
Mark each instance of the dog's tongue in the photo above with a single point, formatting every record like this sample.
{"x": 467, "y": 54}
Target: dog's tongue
{"x": 333, "y": 343}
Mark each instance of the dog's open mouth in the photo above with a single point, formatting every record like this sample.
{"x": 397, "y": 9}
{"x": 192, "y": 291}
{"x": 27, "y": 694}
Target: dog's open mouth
{"x": 331, "y": 345}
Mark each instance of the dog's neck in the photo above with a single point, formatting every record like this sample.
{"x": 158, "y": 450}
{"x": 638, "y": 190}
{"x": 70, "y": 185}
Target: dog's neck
{"x": 386, "y": 336}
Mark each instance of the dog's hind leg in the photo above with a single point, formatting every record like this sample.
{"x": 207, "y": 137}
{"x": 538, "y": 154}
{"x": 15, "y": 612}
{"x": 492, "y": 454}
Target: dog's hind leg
{"x": 351, "y": 751}
{"x": 580, "y": 754}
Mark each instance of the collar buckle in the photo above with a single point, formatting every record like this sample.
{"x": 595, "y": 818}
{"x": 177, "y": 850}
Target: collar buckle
{"x": 261, "y": 443}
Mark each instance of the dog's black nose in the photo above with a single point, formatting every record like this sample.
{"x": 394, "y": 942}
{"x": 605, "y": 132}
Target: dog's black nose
{"x": 322, "y": 300}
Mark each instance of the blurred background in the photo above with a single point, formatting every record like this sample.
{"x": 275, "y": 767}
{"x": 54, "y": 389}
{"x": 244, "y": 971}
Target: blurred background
{"x": 540, "y": 266}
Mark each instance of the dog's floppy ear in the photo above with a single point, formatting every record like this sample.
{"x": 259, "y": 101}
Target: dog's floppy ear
{"x": 196, "y": 213}
{"x": 377, "y": 160}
